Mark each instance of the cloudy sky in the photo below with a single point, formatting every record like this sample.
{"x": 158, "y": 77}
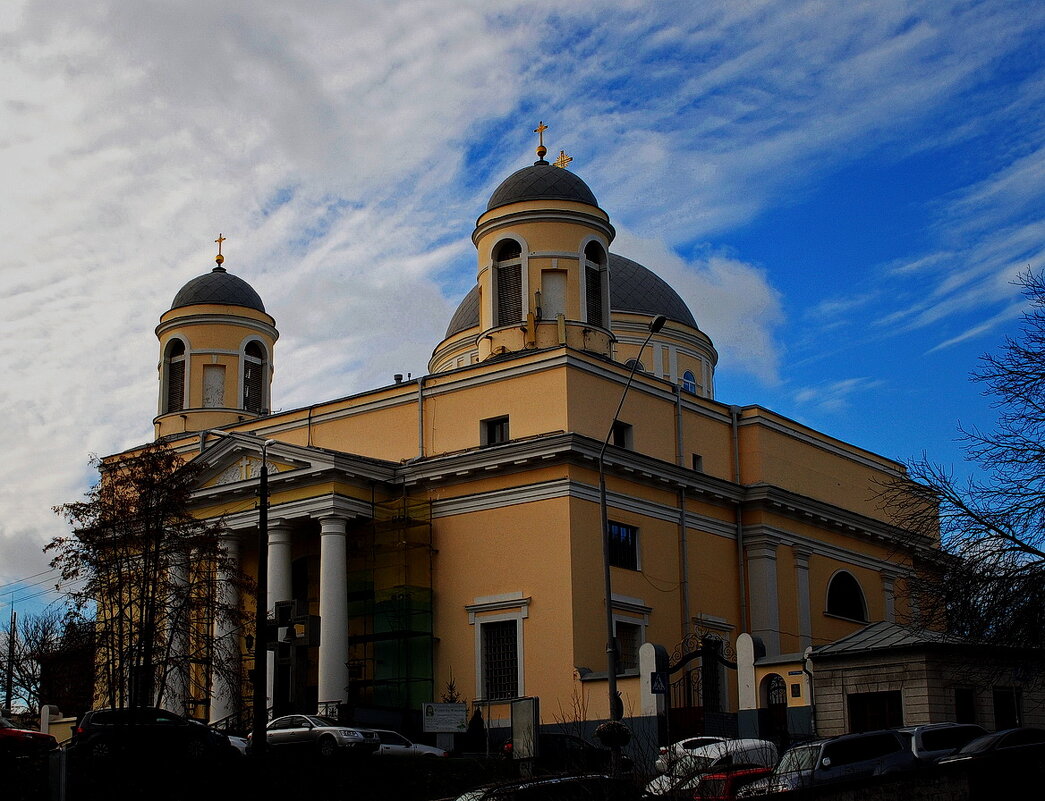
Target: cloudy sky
{"x": 842, "y": 192}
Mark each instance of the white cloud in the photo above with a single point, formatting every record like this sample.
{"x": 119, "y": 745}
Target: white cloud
{"x": 345, "y": 150}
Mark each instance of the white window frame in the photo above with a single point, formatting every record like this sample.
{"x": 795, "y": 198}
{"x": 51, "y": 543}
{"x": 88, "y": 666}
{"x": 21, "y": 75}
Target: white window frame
{"x": 494, "y": 609}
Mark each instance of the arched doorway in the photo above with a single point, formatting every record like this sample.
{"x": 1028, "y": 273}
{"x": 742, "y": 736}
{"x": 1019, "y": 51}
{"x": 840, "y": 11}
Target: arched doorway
{"x": 773, "y": 710}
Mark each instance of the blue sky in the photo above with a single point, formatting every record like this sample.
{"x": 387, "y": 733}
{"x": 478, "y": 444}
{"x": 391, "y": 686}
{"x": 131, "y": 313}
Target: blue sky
{"x": 842, "y": 192}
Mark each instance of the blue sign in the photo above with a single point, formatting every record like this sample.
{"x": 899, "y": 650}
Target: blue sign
{"x": 658, "y": 681}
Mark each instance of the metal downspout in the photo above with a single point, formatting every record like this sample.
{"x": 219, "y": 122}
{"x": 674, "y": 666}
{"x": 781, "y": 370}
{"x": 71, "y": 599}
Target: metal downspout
{"x": 683, "y": 543}
{"x": 421, "y": 417}
{"x": 745, "y": 623}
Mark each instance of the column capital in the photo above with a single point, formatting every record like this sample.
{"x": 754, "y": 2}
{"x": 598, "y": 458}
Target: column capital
{"x": 801, "y": 555}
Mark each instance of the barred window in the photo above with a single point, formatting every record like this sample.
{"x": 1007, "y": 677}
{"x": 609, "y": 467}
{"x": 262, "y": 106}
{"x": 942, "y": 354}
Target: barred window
{"x": 500, "y": 660}
{"x": 595, "y": 270}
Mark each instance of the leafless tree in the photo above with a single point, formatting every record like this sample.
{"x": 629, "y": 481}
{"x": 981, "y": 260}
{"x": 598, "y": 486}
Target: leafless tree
{"x": 36, "y": 636}
{"x": 150, "y": 573}
{"x": 988, "y": 580}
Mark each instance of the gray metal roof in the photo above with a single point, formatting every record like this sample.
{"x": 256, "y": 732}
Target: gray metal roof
{"x": 633, "y": 288}
{"x": 542, "y": 181}
{"x": 883, "y": 636}
{"x": 220, "y": 288}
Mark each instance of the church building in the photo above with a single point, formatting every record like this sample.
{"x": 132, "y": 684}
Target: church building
{"x": 446, "y": 529}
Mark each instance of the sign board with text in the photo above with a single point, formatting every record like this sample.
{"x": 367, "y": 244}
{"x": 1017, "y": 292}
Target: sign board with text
{"x": 444, "y": 718}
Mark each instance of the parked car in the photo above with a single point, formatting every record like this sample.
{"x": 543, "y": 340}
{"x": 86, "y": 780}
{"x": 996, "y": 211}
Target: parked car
{"x": 326, "y": 736}
{"x": 557, "y": 788}
{"x": 395, "y": 744}
{"x": 847, "y": 757}
{"x": 725, "y": 784}
{"x": 15, "y": 742}
{"x": 558, "y": 752}
{"x": 936, "y": 740}
{"x": 1007, "y": 742}
{"x": 683, "y": 776}
{"x": 669, "y": 753}
{"x": 104, "y": 734}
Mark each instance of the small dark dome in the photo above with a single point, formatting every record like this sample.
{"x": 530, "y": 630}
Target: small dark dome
{"x": 220, "y": 289}
{"x": 542, "y": 181}
{"x": 633, "y": 288}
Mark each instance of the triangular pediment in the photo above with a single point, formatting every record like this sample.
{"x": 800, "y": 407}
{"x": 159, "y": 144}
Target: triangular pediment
{"x": 231, "y": 460}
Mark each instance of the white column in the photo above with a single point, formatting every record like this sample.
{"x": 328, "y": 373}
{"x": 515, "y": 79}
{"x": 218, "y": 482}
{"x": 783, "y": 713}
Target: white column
{"x": 174, "y": 686}
{"x": 279, "y": 588}
{"x": 333, "y": 610}
{"x": 225, "y": 672}
{"x": 762, "y": 589}
{"x": 889, "y": 595}
{"x": 805, "y": 627}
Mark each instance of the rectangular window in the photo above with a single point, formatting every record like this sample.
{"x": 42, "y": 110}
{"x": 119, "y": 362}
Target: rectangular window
{"x": 500, "y": 660}
{"x": 494, "y": 430}
{"x": 509, "y": 294}
{"x": 621, "y": 435}
{"x": 593, "y": 295}
{"x": 698, "y": 463}
{"x": 629, "y": 638}
{"x": 879, "y": 710}
{"x": 624, "y": 546}
{"x": 1008, "y": 712}
{"x": 964, "y": 705}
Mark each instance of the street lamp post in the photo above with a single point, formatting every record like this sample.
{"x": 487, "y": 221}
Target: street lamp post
{"x": 258, "y": 742}
{"x": 615, "y": 705}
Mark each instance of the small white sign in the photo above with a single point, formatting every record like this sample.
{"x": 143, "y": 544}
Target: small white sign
{"x": 445, "y": 717}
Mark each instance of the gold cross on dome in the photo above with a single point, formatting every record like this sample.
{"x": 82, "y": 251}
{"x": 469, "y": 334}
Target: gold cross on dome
{"x": 563, "y": 160}
{"x": 539, "y": 130}
{"x": 219, "y": 240}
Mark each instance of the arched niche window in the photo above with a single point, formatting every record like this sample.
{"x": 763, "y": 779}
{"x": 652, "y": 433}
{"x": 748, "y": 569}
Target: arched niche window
{"x": 845, "y": 598}
{"x": 594, "y": 276}
{"x": 174, "y": 367}
{"x": 253, "y": 377}
{"x": 689, "y": 382}
{"x": 635, "y": 363}
{"x": 507, "y": 258}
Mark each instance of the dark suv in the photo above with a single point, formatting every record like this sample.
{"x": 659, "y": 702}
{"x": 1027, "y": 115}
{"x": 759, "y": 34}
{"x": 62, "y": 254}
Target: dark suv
{"x": 147, "y": 732}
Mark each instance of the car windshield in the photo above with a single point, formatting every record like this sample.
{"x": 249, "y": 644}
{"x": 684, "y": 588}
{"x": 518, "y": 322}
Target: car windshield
{"x": 802, "y": 758}
{"x": 6, "y": 724}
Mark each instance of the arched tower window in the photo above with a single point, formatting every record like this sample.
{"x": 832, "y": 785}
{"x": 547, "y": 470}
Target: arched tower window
{"x": 594, "y": 275}
{"x": 689, "y": 382}
{"x": 174, "y": 364}
{"x": 507, "y": 258}
{"x": 253, "y": 377}
{"x": 639, "y": 366}
{"x": 845, "y": 598}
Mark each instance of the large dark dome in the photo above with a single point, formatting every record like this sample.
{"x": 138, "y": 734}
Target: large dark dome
{"x": 542, "y": 181}
{"x": 220, "y": 289}
{"x": 633, "y": 288}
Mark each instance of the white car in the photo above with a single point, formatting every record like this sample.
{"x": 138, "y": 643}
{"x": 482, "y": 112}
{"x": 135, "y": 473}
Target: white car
{"x": 327, "y": 736}
{"x": 395, "y": 744}
{"x": 671, "y": 753}
{"x": 684, "y": 774}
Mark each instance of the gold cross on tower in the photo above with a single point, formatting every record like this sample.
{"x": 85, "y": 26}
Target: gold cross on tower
{"x": 539, "y": 130}
{"x": 563, "y": 160}
{"x": 219, "y": 259}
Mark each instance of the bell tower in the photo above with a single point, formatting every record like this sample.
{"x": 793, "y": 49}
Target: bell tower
{"x": 543, "y": 245}
{"x": 216, "y": 349}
